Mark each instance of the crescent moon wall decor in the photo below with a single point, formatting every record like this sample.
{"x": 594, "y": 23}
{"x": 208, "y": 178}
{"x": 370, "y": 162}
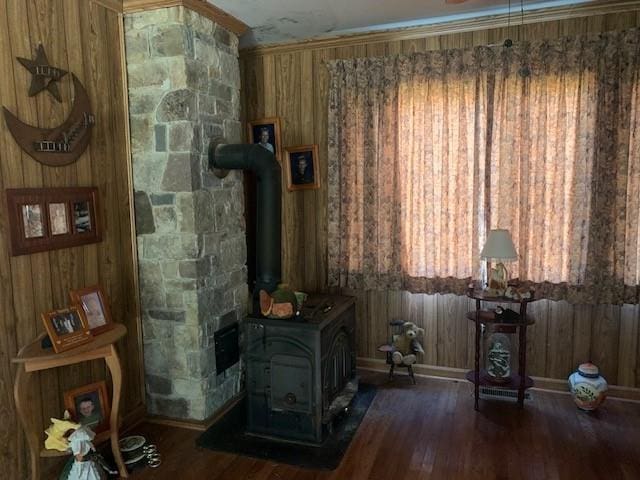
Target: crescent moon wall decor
{"x": 61, "y": 145}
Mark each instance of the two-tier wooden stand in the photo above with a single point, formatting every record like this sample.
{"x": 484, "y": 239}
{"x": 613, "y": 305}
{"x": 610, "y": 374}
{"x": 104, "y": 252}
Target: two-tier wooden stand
{"x": 479, "y": 376}
{"x": 32, "y": 358}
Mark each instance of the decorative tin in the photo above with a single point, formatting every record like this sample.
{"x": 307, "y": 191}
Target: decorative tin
{"x": 588, "y": 387}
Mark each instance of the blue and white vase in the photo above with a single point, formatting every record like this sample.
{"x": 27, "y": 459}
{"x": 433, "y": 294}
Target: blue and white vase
{"x": 588, "y": 387}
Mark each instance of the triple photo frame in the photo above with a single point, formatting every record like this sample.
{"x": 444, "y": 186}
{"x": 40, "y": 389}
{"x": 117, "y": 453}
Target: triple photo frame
{"x": 44, "y": 219}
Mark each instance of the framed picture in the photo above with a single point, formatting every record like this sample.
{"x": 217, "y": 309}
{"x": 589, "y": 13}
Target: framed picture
{"x": 95, "y": 307}
{"x": 67, "y": 328}
{"x": 32, "y": 222}
{"x": 42, "y": 219}
{"x": 266, "y": 133}
{"x": 301, "y": 165}
{"x": 89, "y": 406}
{"x": 59, "y": 219}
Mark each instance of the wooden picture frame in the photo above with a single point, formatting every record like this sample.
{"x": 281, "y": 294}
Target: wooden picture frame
{"x": 42, "y": 219}
{"x": 270, "y": 126}
{"x": 301, "y": 167}
{"x": 67, "y": 328}
{"x": 81, "y": 403}
{"x": 94, "y": 303}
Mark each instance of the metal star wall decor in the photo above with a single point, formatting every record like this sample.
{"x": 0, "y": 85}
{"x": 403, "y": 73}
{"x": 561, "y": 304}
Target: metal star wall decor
{"x": 44, "y": 75}
{"x": 59, "y": 145}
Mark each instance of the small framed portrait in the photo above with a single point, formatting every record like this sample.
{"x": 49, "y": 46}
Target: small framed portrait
{"x": 301, "y": 167}
{"x": 81, "y": 216}
{"x": 58, "y": 218}
{"x": 32, "y": 221}
{"x": 89, "y": 406}
{"x": 266, "y": 133}
{"x": 67, "y": 328}
{"x": 96, "y": 309}
{"x": 42, "y": 219}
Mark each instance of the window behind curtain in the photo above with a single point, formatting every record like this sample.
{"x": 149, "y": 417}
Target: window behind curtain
{"x": 429, "y": 151}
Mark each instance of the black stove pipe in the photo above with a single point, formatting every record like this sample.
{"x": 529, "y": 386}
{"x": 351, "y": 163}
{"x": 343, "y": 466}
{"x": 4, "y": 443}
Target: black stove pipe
{"x": 268, "y": 203}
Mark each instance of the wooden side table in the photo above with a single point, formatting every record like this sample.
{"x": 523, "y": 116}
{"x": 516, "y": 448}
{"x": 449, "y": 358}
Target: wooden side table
{"x": 32, "y": 358}
{"x": 479, "y": 376}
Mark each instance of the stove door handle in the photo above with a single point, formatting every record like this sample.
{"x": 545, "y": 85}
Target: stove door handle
{"x": 290, "y": 399}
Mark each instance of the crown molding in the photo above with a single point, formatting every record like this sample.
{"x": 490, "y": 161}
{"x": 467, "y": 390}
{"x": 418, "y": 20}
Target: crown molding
{"x": 202, "y": 7}
{"x": 115, "y": 5}
{"x": 445, "y": 28}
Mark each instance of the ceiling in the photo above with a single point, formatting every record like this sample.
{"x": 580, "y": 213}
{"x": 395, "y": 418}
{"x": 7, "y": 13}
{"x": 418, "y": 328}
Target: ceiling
{"x": 276, "y": 21}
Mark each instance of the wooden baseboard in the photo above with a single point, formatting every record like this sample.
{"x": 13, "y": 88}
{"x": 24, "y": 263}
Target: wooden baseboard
{"x": 449, "y": 373}
{"x": 199, "y": 425}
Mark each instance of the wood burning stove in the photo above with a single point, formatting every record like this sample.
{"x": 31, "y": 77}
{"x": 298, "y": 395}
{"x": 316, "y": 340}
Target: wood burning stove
{"x": 301, "y": 372}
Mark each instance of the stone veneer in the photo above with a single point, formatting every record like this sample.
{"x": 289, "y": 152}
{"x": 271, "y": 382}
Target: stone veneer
{"x": 184, "y": 84}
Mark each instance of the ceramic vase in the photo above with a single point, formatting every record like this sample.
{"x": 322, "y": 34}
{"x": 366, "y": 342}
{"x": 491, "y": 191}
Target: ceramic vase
{"x": 588, "y": 387}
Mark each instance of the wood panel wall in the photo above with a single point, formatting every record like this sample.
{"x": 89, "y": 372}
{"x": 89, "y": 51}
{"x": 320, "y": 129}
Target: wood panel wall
{"x": 291, "y": 82}
{"x": 83, "y": 37}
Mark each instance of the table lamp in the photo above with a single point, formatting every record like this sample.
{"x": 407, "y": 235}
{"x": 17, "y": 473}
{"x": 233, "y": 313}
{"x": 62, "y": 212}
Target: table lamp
{"x": 498, "y": 246}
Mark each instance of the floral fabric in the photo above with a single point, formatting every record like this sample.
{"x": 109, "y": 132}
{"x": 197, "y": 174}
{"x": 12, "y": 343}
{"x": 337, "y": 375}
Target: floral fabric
{"x": 429, "y": 151}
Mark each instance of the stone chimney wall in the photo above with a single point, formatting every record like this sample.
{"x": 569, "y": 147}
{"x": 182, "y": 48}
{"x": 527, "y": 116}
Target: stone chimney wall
{"x": 184, "y": 84}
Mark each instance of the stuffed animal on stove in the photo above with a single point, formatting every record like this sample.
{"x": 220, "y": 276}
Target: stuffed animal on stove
{"x": 406, "y": 344}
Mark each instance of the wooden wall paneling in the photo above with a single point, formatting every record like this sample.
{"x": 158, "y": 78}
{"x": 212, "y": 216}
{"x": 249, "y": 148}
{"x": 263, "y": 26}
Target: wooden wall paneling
{"x": 11, "y": 437}
{"x": 430, "y": 325}
{"x": 269, "y": 87}
{"x": 309, "y": 197}
{"x": 412, "y": 46}
{"x": 51, "y": 268}
{"x": 537, "y": 338}
{"x": 559, "y": 330}
{"x": 22, "y": 268}
{"x": 287, "y": 105}
{"x": 109, "y": 177}
{"x": 605, "y": 335}
{"x": 392, "y": 48}
{"x": 321, "y": 109}
{"x": 381, "y": 334}
{"x": 79, "y": 36}
{"x": 628, "y": 345}
{"x": 582, "y": 321}
{"x": 446, "y": 346}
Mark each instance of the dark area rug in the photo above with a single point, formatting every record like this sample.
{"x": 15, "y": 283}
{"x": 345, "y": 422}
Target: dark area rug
{"x": 228, "y": 435}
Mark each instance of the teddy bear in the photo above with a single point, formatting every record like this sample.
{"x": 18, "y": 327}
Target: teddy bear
{"x": 406, "y": 344}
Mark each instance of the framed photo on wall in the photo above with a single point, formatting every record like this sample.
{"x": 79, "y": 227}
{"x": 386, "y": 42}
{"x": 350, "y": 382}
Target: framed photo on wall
{"x": 89, "y": 406}
{"x": 67, "y": 328}
{"x": 93, "y": 302}
{"x": 42, "y": 219}
{"x": 301, "y": 166}
{"x": 266, "y": 133}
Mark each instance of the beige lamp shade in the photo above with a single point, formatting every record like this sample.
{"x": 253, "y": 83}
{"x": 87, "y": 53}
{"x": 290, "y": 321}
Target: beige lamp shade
{"x": 499, "y": 246}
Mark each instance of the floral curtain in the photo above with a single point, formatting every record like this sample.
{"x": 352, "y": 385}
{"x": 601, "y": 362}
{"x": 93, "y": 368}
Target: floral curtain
{"x": 429, "y": 151}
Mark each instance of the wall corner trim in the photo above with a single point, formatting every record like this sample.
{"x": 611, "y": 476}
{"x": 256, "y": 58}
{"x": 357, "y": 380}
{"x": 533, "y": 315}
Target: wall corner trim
{"x": 202, "y": 7}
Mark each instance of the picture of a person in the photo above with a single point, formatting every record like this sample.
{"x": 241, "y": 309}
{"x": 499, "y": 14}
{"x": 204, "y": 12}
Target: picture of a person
{"x": 301, "y": 171}
{"x": 88, "y": 414}
{"x": 60, "y": 325}
{"x": 58, "y": 218}
{"x": 68, "y": 322}
{"x": 93, "y": 308}
{"x": 264, "y": 139}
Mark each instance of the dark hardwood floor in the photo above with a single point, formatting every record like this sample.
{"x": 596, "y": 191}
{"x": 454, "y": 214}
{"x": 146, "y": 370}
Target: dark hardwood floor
{"x": 431, "y": 431}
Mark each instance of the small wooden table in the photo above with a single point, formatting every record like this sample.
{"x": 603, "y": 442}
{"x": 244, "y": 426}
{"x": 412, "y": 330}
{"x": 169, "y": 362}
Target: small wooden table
{"x": 32, "y": 358}
{"x": 478, "y": 376}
